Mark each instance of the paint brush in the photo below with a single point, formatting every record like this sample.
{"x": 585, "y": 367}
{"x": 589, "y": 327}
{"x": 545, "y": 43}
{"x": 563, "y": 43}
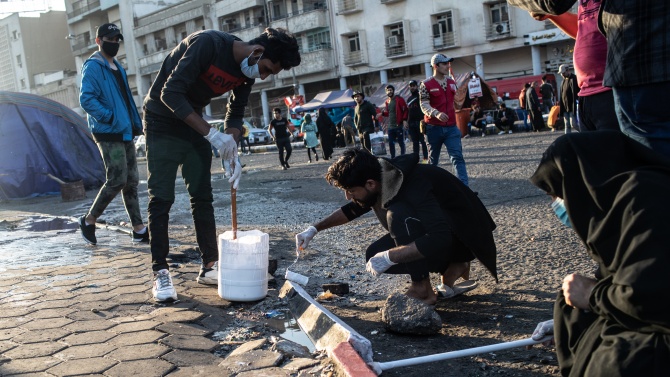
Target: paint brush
{"x": 294, "y": 276}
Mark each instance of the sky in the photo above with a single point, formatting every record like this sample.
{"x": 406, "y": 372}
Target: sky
{"x": 14, "y": 6}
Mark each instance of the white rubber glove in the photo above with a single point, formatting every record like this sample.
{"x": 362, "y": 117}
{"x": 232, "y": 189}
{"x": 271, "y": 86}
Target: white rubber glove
{"x": 302, "y": 239}
{"x": 379, "y": 263}
{"x": 236, "y": 172}
{"x": 224, "y": 143}
{"x": 543, "y": 329}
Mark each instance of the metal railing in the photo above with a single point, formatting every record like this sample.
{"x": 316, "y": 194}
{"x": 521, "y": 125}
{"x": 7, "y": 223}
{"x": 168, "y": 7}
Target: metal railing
{"x": 81, "y": 7}
{"x": 396, "y": 49}
{"x": 499, "y": 30}
{"x": 444, "y": 40}
{"x": 354, "y": 57}
{"x": 347, "y": 6}
{"x": 321, "y": 7}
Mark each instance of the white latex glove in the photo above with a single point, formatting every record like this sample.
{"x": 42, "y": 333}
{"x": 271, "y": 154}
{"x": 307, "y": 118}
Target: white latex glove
{"x": 224, "y": 143}
{"x": 302, "y": 239}
{"x": 543, "y": 329}
{"x": 379, "y": 263}
{"x": 236, "y": 172}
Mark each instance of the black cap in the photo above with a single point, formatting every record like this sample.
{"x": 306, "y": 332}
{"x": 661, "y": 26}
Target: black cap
{"x": 109, "y": 31}
{"x": 413, "y": 82}
{"x": 389, "y": 86}
{"x": 357, "y": 93}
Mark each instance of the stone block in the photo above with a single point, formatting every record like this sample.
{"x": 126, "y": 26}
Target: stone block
{"x": 189, "y": 342}
{"x": 34, "y": 365}
{"x": 42, "y": 324}
{"x": 267, "y": 372}
{"x": 252, "y": 360}
{"x": 182, "y": 358}
{"x": 96, "y": 365}
{"x": 28, "y": 351}
{"x": 84, "y": 326}
{"x": 39, "y": 336}
{"x": 139, "y": 352}
{"x": 407, "y": 315}
{"x": 202, "y": 370}
{"x": 51, "y": 313}
{"x": 146, "y": 368}
{"x": 134, "y": 326}
{"x": 176, "y": 328}
{"x": 135, "y": 338}
{"x": 85, "y": 352}
{"x": 91, "y": 337}
{"x": 300, "y": 364}
{"x": 248, "y": 346}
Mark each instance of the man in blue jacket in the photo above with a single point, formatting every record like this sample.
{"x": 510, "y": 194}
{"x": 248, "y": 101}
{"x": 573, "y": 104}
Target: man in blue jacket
{"x": 114, "y": 121}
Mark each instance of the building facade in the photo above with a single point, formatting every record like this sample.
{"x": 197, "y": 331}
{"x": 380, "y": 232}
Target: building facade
{"x": 359, "y": 44}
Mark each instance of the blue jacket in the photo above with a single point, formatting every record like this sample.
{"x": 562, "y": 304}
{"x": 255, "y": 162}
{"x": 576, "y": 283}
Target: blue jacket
{"x": 101, "y": 98}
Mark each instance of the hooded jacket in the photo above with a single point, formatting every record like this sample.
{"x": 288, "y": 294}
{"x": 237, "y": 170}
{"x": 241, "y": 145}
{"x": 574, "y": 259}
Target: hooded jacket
{"x": 444, "y": 205}
{"x": 108, "y": 117}
{"x": 615, "y": 192}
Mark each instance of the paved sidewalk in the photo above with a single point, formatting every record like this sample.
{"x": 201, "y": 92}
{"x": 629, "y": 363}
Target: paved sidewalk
{"x": 98, "y": 318}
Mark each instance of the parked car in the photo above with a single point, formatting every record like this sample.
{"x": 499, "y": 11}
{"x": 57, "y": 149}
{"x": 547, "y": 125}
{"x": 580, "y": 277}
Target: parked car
{"x": 140, "y": 146}
{"x": 257, "y": 135}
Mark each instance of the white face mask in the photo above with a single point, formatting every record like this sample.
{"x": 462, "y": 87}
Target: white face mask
{"x": 252, "y": 72}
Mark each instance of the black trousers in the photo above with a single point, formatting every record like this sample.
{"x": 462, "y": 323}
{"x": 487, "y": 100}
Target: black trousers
{"x": 405, "y": 228}
{"x": 284, "y": 144}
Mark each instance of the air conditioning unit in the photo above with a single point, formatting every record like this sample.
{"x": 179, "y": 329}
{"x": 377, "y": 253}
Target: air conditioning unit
{"x": 393, "y": 40}
{"x": 501, "y": 28}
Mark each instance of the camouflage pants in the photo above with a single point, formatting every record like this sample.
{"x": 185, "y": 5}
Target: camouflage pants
{"x": 121, "y": 175}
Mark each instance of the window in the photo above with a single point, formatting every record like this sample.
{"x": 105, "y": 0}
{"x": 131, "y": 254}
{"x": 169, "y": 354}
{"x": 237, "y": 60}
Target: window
{"x": 395, "y": 40}
{"x": 499, "y": 13}
{"x": 18, "y": 61}
{"x": 23, "y": 83}
{"x": 228, "y": 24}
{"x": 443, "y": 30}
{"x": 499, "y": 26}
{"x": 15, "y": 35}
{"x": 354, "y": 43}
{"x": 318, "y": 40}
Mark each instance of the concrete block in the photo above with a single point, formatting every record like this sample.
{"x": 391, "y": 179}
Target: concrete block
{"x": 154, "y": 367}
{"x": 139, "y": 352}
{"x": 35, "y": 365}
{"x": 91, "y": 337}
{"x": 325, "y": 329}
{"x": 95, "y": 365}
{"x": 268, "y": 372}
{"x": 202, "y": 370}
{"x": 252, "y": 360}
{"x": 176, "y": 328}
{"x": 85, "y": 352}
{"x": 28, "y": 351}
{"x": 39, "y": 336}
{"x": 248, "y": 346}
{"x": 134, "y": 326}
{"x": 350, "y": 362}
{"x": 134, "y": 338}
{"x": 182, "y": 358}
{"x": 299, "y": 364}
{"x": 189, "y": 342}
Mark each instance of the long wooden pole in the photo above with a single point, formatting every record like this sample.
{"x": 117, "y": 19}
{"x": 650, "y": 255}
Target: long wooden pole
{"x": 233, "y": 201}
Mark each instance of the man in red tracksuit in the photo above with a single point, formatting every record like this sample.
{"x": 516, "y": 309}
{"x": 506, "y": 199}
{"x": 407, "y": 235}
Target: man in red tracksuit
{"x": 396, "y": 110}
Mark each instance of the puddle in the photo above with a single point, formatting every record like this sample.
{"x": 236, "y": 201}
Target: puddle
{"x": 284, "y": 322}
{"x": 43, "y": 224}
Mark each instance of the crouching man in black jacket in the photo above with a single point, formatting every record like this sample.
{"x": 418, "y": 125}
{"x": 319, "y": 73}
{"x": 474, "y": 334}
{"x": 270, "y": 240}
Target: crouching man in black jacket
{"x": 427, "y": 212}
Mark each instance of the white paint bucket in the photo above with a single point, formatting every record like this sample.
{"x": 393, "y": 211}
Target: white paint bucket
{"x": 243, "y": 265}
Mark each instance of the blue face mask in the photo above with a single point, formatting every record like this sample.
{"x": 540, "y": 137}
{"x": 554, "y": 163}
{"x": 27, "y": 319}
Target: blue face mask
{"x": 559, "y": 209}
{"x": 252, "y": 72}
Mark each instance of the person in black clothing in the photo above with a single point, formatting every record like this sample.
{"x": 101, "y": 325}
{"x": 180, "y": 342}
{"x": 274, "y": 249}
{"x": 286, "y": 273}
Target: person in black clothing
{"x": 327, "y": 132}
{"x": 611, "y": 190}
{"x": 365, "y": 119}
{"x": 504, "y": 119}
{"x": 206, "y": 64}
{"x": 415, "y": 117}
{"x": 569, "y": 96}
{"x": 428, "y": 214}
{"x": 547, "y": 92}
{"x": 534, "y": 108}
{"x": 282, "y": 136}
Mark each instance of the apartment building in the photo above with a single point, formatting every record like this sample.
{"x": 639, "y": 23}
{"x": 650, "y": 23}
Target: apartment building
{"x": 361, "y": 44}
{"x": 32, "y": 60}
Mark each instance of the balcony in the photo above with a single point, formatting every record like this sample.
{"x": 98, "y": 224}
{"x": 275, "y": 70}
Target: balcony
{"x": 83, "y": 47}
{"x": 354, "y": 58}
{"x": 234, "y": 6}
{"x": 82, "y": 7}
{"x": 349, "y": 6}
{"x": 152, "y": 63}
{"x": 396, "y": 47}
{"x": 247, "y": 33}
{"x": 444, "y": 41}
{"x": 306, "y": 19}
{"x": 390, "y": 1}
{"x": 311, "y": 62}
{"x": 499, "y": 30}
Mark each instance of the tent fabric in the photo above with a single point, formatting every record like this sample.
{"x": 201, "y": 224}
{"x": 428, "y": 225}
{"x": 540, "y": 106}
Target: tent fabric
{"x": 328, "y": 100}
{"x": 40, "y": 136}
{"x": 488, "y": 100}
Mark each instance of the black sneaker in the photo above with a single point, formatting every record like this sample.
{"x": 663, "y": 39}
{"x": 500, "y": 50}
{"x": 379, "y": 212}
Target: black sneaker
{"x": 209, "y": 276}
{"x": 287, "y": 165}
{"x": 141, "y": 237}
{"x": 87, "y": 231}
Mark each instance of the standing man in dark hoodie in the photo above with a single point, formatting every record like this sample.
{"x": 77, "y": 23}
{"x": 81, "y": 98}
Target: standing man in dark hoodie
{"x": 282, "y": 136}
{"x": 414, "y": 118}
{"x": 206, "y": 64}
{"x": 569, "y": 93}
{"x": 114, "y": 121}
{"x": 364, "y": 119}
{"x": 428, "y": 214}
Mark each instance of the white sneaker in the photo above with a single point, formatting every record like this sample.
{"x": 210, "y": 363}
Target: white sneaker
{"x": 501, "y": 133}
{"x": 209, "y": 276}
{"x": 163, "y": 290}
{"x": 509, "y": 132}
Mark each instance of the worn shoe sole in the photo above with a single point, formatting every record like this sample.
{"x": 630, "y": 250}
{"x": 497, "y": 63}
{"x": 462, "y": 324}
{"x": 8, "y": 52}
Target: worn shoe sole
{"x": 207, "y": 280}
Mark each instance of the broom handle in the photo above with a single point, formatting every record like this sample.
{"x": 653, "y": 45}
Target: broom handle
{"x": 233, "y": 201}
